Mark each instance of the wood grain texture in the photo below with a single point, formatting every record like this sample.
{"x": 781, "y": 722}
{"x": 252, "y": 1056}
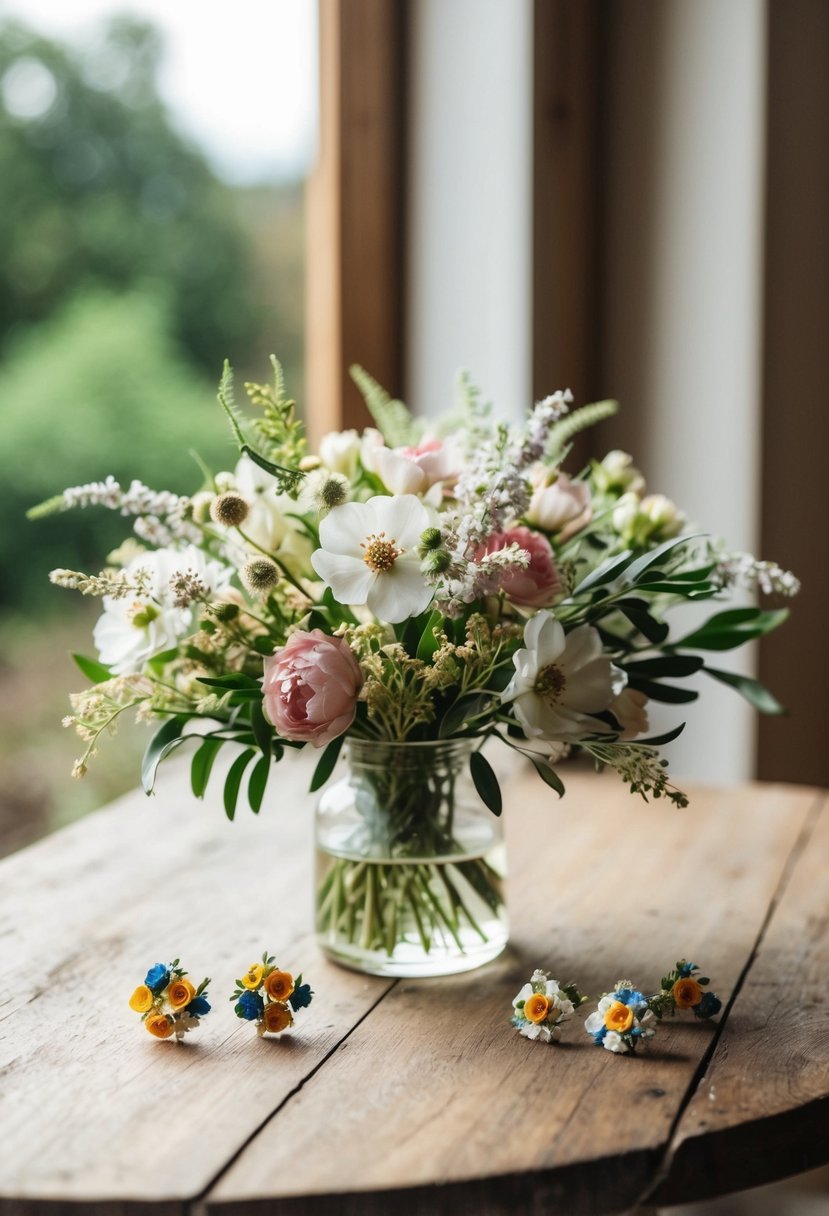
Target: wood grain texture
{"x": 567, "y": 80}
{"x": 768, "y": 1082}
{"x": 435, "y": 1105}
{"x": 355, "y": 211}
{"x": 415, "y": 1097}
{"x": 91, "y": 1107}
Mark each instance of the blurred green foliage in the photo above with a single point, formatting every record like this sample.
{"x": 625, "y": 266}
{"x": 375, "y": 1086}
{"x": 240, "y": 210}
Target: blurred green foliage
{"x": 100, "y": 388}
{"x": 128, "y": 272}
{"x": 96, "y": 187}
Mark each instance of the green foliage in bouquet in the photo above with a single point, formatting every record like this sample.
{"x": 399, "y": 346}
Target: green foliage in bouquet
{"x": 407, "y": 586}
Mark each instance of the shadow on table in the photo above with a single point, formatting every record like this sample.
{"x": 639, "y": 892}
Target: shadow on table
{"x": 806, "y": 1195}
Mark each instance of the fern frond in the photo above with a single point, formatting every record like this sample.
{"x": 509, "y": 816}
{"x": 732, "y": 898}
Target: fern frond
{"x": 279, "y": 427}
{"x": 470, "y": 413}
{"x": 572, "y": 424}
{"x": 227, "y": 401}
{"x": 394, "y": 421}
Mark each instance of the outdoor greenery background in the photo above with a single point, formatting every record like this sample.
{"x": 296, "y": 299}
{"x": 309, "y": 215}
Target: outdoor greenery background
{"x": 128, "y": 272}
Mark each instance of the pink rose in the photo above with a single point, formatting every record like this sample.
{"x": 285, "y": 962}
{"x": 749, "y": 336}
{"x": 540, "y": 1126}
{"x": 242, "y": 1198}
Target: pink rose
{"x": 564, "y": 507}
{"x": 538, "y": 584}
{"x": 311, "y": 687}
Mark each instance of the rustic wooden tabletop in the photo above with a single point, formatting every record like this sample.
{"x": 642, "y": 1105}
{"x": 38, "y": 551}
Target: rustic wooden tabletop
{"x": 414, "y": 1097}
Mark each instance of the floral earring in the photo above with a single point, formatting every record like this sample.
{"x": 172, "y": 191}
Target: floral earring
{"x": 269, "y": 996}
{"x": 543, "y": 1005}
{"x": 168, "y": 1003}
{"x": 622, "y": 1021}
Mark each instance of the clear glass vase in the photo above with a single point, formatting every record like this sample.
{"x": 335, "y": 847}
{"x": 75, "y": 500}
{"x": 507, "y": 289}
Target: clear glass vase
{"x": 410, "y": 863}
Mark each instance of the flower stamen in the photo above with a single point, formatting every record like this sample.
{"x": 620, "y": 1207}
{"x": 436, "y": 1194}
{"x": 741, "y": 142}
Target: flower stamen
{"x": 550, "y": 683}
{"x": 380, "y": 554}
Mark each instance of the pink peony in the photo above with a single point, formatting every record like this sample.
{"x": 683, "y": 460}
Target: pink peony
{"x": 311, "y": 687}
{"x": 538, "y": 584}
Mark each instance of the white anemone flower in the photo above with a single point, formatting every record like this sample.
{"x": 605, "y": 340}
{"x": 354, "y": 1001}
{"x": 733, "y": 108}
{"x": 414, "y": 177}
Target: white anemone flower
{"x": 134, "y": 628}
{"x": 369, "y": 555}
{"x": 560, "y": 680}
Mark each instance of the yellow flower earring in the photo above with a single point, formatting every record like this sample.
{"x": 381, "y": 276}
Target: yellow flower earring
{"x": 269, "y": 996}
{"x": 169, "y": 1004}
{"x": 684, "y": 988}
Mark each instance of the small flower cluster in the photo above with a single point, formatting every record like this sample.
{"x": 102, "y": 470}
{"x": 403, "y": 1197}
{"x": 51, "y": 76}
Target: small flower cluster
{"x": 542, "y": 1005}
{"x": 683, "y": 988}
{"x": 168, "y": 1003}
{"x": 270, "y": 997}
{"x": 623, "y": 1019}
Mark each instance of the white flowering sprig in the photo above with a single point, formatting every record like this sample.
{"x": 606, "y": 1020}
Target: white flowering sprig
{"x": 161, "y": 516}
{"x": 741, "y": 569}
{"x": 684, "y": 988}
{"x": 168, "y": 1003}
{"x": 543, "y": 1005}
{"x": 269, "y": 996}
{"x": 623, "y": 1021}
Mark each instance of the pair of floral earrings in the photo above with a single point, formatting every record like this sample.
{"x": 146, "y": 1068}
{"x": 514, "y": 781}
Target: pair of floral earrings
{"x": 170, "y": 1005}
{"x": 625, "y": 1018}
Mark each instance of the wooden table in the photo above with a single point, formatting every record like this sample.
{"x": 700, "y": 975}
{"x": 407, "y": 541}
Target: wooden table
{"x": 414, "y": 1097}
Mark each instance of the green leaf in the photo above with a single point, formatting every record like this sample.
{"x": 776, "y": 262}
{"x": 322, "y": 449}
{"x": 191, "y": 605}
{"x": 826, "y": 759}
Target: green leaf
{"x": 325, "y": 764}
{"x": 635, "y": 611}
{"x": 486, "y": 783}
{"x": 287, "y": 478}
{"x": 427, "y": 645}
{"x": 258, "y": 780}
{"x": 605, "y": 573}
{"x": 665, "y": 665}
{"x": 261, "y": 727}
{"x": 166, "y": 738}
{"x": 547, "y": 773}
{"x": 654, "y": 556}
{"x": 667, "y": 693}
{"x": 236, "y": 680}
{"x": 202, "y": 764}
{"x": 753, "y": 691}
{"x": 92, "y": 669}
{"x": 234, "y": 780}
{"x": 659, "y": 740}
{"x": 458, "y": 713}
{"x": 726, "y": 630}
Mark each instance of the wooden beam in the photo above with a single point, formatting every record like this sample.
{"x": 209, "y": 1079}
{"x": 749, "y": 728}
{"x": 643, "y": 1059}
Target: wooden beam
{"x": 566, "y": 76}
{"x": 796, "y": 372}
{"x": 355, "y": 210}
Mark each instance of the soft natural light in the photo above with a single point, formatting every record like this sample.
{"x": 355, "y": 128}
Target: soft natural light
{"x": 243, "y": 89}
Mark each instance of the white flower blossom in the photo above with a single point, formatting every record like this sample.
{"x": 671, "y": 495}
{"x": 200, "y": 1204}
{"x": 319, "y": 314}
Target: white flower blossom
{"x": 561, "y": 680}
{"x": 368, "y": 555}
{"x": 134, "y": 628}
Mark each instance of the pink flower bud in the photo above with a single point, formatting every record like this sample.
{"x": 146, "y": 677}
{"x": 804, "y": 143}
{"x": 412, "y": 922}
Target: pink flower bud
{"x": 563, "y": 507}
{"x": 538, "y": 584}
{"x": 311, "y": 687}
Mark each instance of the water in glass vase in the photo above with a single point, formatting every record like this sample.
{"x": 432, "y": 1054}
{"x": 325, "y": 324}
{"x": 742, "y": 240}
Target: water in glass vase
{"x": 410, "y": 865}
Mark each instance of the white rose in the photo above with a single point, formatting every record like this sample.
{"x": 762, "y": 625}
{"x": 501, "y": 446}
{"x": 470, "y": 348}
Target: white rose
{"x": 613, "y": 1041}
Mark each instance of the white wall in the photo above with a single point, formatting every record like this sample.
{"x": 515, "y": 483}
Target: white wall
{"x": 683, "y": 323}
{"x": 470, "y": 177}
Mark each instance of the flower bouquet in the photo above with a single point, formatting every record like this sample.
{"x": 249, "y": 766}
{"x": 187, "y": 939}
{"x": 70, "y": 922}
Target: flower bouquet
{"x": 419, "y": 590}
